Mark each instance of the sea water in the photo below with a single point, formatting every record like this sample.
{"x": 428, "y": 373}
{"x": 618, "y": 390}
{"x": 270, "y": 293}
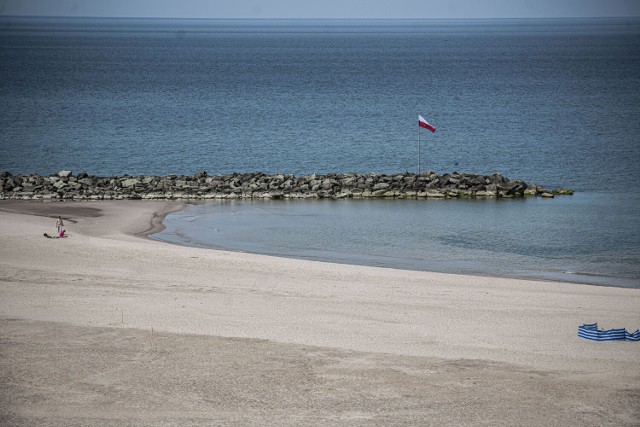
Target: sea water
{"x": 561, "y": 239}
{"x": 555, "y": 102}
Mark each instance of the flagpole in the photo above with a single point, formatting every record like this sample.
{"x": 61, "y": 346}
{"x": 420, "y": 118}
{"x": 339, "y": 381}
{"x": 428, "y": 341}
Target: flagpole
{"x": 418, "y": 146}
{"x": 424, "y": 124}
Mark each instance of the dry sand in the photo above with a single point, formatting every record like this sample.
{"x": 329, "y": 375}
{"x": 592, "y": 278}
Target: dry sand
{"x": 108, "y": 328}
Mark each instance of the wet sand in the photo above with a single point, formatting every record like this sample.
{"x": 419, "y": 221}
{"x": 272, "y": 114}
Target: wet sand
{"x": 107, "y": 327}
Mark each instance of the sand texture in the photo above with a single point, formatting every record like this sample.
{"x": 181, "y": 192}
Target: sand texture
{"x": 110, "y": 328}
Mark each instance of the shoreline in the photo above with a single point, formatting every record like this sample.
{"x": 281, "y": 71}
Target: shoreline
{"x": 145, "y": 222}
{"x": 575, "y": 278}
{"x": 286, "y": 341}
{"x": 329, "y": 256}
{"x": 145, "y": 218}
{"x": 155, "y": 225}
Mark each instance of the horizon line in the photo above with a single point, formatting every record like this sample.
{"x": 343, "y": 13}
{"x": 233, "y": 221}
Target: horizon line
{"x": 320, "y": 18}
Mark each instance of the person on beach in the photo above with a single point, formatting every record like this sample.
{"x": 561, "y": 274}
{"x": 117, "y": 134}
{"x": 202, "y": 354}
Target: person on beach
{"x": 59, "y": 224}
{"x": 63, "y": 233}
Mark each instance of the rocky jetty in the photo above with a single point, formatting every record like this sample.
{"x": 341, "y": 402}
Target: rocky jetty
{"x": 67, "y": 186}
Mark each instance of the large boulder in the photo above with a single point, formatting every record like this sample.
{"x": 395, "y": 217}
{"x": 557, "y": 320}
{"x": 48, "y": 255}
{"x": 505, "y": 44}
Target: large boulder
{"x": 86, "y": 181}
{"x": 128, "y": 183}
{"x": 9, "y": 184}
{"x": 380, "y": 186}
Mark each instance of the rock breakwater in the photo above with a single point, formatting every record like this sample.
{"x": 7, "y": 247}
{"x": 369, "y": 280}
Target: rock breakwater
{"x": 65, "y": 185}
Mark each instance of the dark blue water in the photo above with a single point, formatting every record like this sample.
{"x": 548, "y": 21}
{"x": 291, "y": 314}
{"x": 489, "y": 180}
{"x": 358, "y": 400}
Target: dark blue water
{"x": 555, "y": 102}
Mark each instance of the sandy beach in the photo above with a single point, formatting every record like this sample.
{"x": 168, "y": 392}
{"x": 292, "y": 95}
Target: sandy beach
{"x": 110, "y": 328}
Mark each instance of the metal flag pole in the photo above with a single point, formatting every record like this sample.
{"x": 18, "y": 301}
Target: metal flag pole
{"x": 418, "y": 143}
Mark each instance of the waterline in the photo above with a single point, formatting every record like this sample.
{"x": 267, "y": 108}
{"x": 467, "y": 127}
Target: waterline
{"x": 560, "y": 239}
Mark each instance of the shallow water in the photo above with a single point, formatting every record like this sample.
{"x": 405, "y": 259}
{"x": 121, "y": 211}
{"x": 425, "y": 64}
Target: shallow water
{"x": 560, "y": 239}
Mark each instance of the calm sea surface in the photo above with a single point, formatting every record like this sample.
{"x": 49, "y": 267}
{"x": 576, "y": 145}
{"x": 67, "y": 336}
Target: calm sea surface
{"x": 555, "y": 102}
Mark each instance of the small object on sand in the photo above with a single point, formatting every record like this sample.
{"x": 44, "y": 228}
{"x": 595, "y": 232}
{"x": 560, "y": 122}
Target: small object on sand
{"x": 63, "y": 234}
{"x": 590, "y": 331}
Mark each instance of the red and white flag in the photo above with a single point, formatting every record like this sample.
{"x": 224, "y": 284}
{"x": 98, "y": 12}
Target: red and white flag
{"x": 424, "y": 124}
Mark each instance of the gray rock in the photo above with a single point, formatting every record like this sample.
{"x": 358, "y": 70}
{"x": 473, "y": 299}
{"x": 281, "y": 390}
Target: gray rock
{"x": 380, "y": 186}
{"x": 435, "y": 194}
{"x": 128, "y": 183}
{"x": 259, "y": 185}
{"x": 86, "y": 181}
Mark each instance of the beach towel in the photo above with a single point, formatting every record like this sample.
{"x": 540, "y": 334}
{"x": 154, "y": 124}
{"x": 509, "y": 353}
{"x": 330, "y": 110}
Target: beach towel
{"x": 590, "y": 331}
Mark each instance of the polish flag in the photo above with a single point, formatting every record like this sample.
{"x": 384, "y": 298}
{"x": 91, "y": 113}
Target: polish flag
{"x": 424, "y": 124}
